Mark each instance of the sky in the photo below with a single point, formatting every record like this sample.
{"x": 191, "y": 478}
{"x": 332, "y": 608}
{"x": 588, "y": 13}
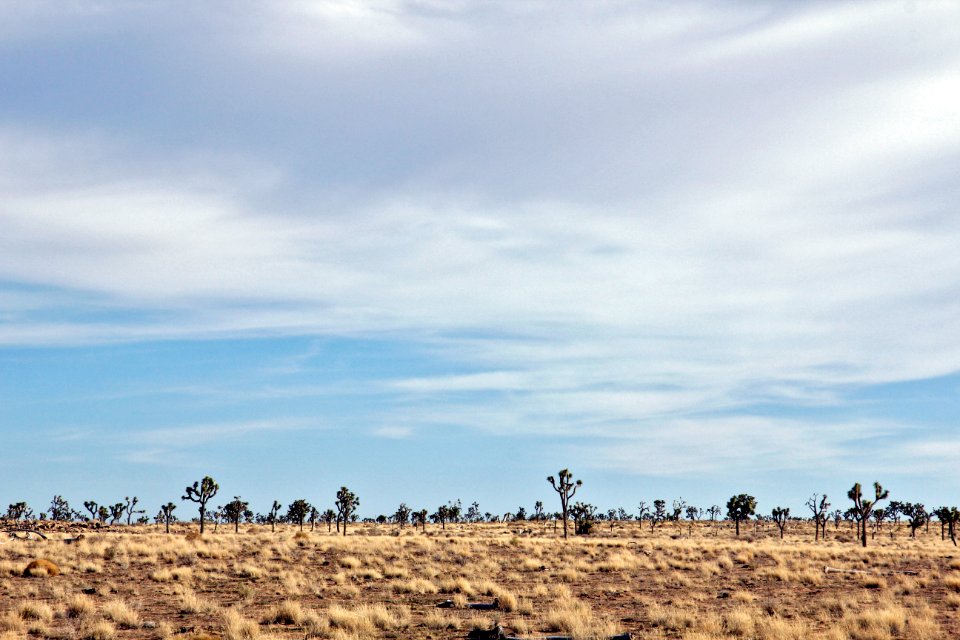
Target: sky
{"x": 440, "y": 250}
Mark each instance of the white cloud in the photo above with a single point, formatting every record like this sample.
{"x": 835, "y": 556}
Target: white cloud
{"x": 393, "y": 432}
{"x": 690, "y": 211}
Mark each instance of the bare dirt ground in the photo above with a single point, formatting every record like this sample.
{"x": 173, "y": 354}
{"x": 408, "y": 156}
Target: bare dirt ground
{"x": 695, "y": 583}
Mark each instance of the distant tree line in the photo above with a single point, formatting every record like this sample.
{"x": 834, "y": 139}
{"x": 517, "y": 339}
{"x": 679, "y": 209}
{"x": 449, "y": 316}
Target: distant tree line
{"x": 865, "y": 515}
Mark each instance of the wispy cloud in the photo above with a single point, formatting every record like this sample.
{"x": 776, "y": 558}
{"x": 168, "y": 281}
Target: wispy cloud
{"x": 194, "y": 435}
{"x": 681, "y": 211}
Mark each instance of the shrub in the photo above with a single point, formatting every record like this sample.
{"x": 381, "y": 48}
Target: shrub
{"x": 40, "y": 567}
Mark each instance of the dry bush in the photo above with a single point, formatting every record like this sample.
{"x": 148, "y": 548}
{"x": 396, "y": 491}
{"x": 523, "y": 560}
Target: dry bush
{"x": 249, "y": 570}
{"x": 670, "y": 618}
{"x": 575, "y": 618}
{"x": 237, "y": 627}
{"x": 440, "y": 620}
{"x": 10, "y": 622}
{"x": 120, "y": 612}
{"x": 80, "y": 606}
{"x": 367, "y": 620}
{"x": 35, "y": 611}
{"x": 40, "y": 567}
{"x": 190, "y": 602}
{"x": 414, "y": 585}
{"x": 97, "y": 630}
{"x": 952, "y": 583}
{"x": 287, "y": 612}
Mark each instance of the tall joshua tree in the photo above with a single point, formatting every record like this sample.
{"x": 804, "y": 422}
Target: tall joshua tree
{"x": 780, "y": 516}
{"x": 298, "y": 511}
{"x": 346, "y": 504}
{"x": 566, "y": 486}
{"x": 272, "y": 518}
{"x": 740, "y": 508}
{"x": 130, "y": 508}
{"x": 92, "y": 507}
{"x": 819, "y": 507}
{"x": 862, "y": 508}
{"x": 201, "y": 492}
{"x": 329, "y": 516}
{"x": 402, "y": 515}
{"x": 235, "y": 510}
{"x": 166, "y": 514}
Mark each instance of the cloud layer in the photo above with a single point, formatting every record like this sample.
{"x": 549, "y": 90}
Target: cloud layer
{"x": 605, "y": 217}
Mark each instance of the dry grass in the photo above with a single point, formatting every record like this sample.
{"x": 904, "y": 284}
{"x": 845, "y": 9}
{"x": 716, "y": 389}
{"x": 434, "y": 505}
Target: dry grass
{"x": 380, "y": 582}
{"x": 121, "y": 613}
{"x": 41, "y": 568}
{"x": 237, "y": 627}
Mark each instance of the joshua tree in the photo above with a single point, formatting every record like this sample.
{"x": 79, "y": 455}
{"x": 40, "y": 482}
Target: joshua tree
{"x": 235, "y": 510}
{"x": 566, "y": 487}
{"x": 92, "y": 507}
{"x": 453, "y": 510}
{"x": 420, "y": 517}
{"x": 346, "y": 504}
{"x": 130, "y": 508}
{"x": 952, "y": 515}
{"x": 103, "y": 514}
{"x": 298, "y": 511}
{"x": 583, "y": 515}
{"x": 314, "y": 517}
{"x": 678, "y": 506}
{"x": 780, "y": 516}
{"x": 538, "y": 510}
{"x": 19, "y": 511}
{"x": 473, "y": 512}
{"x": 862, "y": 508}
{"x": 818, "y": 505}
{"x": 402, "y": 515}
{"x": 894, "y": 511}
{"x": 60, "y": 510}
{"x": 740, "y": 508}
{"x": 659, "y": 513}
{"x": 116, "y": 512}
{"x": 166, "y": 514}
{"x": 329, "y": 516}
{"x": 201, "y": 492}
{"x": 440, "y": 516}
{"x": 916, "y": 514}
{"x": 272, "y": 516}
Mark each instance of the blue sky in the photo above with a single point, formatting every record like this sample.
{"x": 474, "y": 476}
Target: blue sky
{"x": 439, "y": 250}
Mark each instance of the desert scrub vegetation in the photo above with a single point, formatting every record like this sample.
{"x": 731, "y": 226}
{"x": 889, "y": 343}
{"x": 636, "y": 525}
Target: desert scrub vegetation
{"x": 380, "y": 581}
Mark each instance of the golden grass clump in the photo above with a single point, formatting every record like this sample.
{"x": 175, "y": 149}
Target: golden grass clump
{"x": 440, "y": 620}
{"x": 190, "y": 602}
{"x": 98, "y": 630}
{"x": 365, "y": 620}
{"x": 237, "y": 627}
{"x": 570, "y": 616}
{"x": 287, "y": 612}
{"x": 414, "y": 585}
{"x": 11, "y": 623}
{"x": 35, "y": 611}
{"x": 80, "y": 606}
{"x": 40, "y": 567}
{"x": 121, "y": 613}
